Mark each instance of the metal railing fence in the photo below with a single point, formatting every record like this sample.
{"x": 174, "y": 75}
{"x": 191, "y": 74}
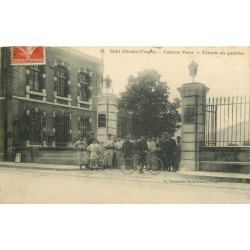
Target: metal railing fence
{"x": 227, "y": 121}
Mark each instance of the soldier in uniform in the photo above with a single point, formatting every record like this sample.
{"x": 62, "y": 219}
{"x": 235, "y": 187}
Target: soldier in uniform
{"x": 151, "y": 152}
{"x": 82, "y": 154}
{"x": 159, "y": 150}
{"x": 108, "y": 153}
{"x": 95, "y": 150}
{"x": 119, "y": 151}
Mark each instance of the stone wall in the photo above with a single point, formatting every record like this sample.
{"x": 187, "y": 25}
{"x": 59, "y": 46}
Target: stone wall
{"x": 225, "y": 159}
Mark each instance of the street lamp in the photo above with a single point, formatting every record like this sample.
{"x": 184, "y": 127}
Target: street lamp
{"x": 108, "y": 82}
{"x": 193, "y": 67}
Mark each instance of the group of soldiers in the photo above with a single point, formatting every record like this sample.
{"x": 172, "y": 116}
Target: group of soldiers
{"x": 115, "y": 150}
{"x": 164, "y": 148}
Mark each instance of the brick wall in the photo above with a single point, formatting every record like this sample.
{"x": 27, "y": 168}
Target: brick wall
{"x": 75, "y": 60}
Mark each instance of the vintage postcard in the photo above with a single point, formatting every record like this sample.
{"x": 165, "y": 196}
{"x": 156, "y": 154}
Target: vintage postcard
{"x": 148, "y": 125}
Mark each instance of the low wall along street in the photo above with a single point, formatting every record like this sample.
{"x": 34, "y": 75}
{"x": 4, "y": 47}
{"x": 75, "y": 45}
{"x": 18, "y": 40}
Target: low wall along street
{"x": 50, "y": 155}
{"x": 225, "y": 159}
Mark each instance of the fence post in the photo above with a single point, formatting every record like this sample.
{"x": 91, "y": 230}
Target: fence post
{"x": 193, "y": 124}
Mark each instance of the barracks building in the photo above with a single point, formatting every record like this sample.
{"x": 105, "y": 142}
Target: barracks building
{"x": 44, "y": 109}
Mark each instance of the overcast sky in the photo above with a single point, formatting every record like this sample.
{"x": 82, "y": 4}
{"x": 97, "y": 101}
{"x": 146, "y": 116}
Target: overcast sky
{"x": 224, "y": 74}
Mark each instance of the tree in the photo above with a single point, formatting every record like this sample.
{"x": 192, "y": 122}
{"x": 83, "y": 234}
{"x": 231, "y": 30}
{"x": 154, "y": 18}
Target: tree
{"x": 148, "y": 100}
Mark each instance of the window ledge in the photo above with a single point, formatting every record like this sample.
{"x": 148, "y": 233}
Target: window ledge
{"x": 62, "y": 98}
{"x": 84, "y": 102}
{"x": 30, "y": 92}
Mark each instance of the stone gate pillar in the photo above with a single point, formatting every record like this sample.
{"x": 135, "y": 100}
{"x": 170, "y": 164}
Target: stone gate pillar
{"x": 106, "y": 116}
{"x": 193, "y": 124}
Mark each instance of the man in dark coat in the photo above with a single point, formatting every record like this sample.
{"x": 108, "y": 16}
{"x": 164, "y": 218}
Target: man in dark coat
{"x": 142, "y": 149}
{"x": 127, "y": 149}
{"x": 91, "y": 139}
{"x": 178, "y": 153}
{"x": 169, "y": 150}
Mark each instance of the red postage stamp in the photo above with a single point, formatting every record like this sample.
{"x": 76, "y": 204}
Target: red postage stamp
{"x": 27, "y": 55}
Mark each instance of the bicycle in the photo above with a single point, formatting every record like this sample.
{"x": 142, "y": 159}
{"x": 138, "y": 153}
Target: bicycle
{"x": 130, "y": 165}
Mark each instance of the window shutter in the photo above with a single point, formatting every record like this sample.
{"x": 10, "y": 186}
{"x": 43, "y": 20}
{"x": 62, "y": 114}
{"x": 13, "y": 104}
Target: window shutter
{"x": 40, "y": 78}
{"x": 78, "y": 76}
{"x": 68, "y": 79}
{"x": 27, "y": 76}
{"x": 87, "y": 92}
{"x": 55, "y": 77}
{"x": 88, "y": 79}
{"x": 66, "y": 85}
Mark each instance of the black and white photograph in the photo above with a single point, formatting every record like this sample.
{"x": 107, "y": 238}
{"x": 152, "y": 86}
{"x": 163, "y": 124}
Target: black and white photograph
{"x": 147, "y": 125}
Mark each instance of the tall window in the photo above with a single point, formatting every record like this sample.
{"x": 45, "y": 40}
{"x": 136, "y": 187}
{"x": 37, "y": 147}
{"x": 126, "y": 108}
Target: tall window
{"x": 62, "y": 81}
{"x": 84, "y": 87}
{"x": 35, "y": 78}
{"x": 84, "y": 126}
{"x": 83, "y": 78}
{"x": 30, "y": 127}
{"x": 83, "y": 94}
{"x": 36, "y": 128}
{"x": 62, "y": 136}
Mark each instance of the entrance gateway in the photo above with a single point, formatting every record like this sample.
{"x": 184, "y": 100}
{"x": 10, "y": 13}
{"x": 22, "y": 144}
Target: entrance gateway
{"x": 215, "y": 133}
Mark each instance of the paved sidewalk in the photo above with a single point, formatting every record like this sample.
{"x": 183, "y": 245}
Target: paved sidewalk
{"x": 187, "y": 175}
{"x": 24, "y": 165}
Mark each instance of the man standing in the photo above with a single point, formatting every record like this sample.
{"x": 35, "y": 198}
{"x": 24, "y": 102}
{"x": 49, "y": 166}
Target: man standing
{"x": 94, "y": 149}
{"x": 151, "y": 151}
{"x": 178, "y": 153}
{"x": 91, "y": 139}
{"x": 169, "y": 150}
{"x": 119, "y": 151}
{"x": 108, "y": 153}
{"x": 82, "y": 154}
{"x": 159, "y": 150}
{"x": 127, "y": 150}
{"x": 142, "y": 148}
{"x": 114, "y": 160}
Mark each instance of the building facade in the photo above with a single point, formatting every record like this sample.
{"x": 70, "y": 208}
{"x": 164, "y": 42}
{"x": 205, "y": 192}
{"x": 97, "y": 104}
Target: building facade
{"x": 49, "y": 106}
